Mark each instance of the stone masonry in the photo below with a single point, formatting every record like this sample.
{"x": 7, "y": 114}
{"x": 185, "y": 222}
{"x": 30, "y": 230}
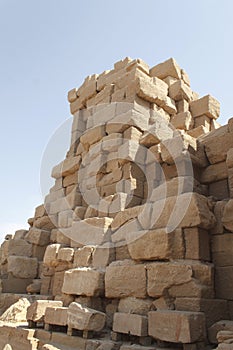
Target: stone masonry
{"x": 133, "y": 245}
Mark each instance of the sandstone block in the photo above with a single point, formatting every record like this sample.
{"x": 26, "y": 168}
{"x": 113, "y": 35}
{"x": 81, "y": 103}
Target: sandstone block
{"x": 227, "y": 216}
{"x": 56, "y": 315}
{"x": 122, "y": 217}
{"x": 125, "y": 280}
{"x": 182, "y": 121}
{"x": 57, "y": 283}
{"x": 103, "y": 255}
{"x": 50, "y": 257}
{"x": 122, "y": 122}
{"x": 155, "y": 245}
{"x": 219, "y": 189}
{"x": 38, "y": 237}
{"x": 83, "y": 281}
{"x": 197, "y": 244}
{"x": 36, "y": 310}
{"x": 19, "y": 247}
{"x": 217, "y": 151}
{"x": 93, "y": 135}
{"x": 83, "y": 318}
{"x": 179, "y": 91}
{"x": 224, "y": 282}
{"x": 177, "y": 326}
{"x": 207, "y": 105}
{"x": 65, "y": 254}
{"x": 222, "y": 249}
{"x": 214, "y": 172}
{"x": 229, "y": 159}
{"x": 222, "y": 325}
{"x": 161, "y": 276}
{"x": 83, "y": 256}
{"x": 91, "y": 231}
{"x": 130, "y": 324}
{"x": 67, "y": 167}
{"x": 132, "y": 305}
{"x": 165, "y": 69}
{"x": 22, "y": 267}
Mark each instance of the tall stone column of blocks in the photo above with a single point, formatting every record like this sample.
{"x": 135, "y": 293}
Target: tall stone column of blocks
{"x": 136, "y": 235}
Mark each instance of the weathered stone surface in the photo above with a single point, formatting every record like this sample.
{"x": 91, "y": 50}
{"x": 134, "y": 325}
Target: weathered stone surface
{"x": 22, "y": 267}
{"x": 36, "y": 310}
{"x": 155, "y": 245}
{"x": 83, "y": 256}
{"x": 16, "y": 312}
{"x": 125, "y": 280}
{"x": 227, "y": 218}
{"x": 197, "y": 244}
{"x": 223, "y": 325}
{"x": 213, "y": 173}
{"x": 19, "y": 247}
{"x": 56, "y": 315}
{"x": 83, "y": 318}
{"x": 217, "y": 151}
{"x": 84, "y": 281}
{"x": 132, "y": 305}
{"x": 224, "y": 282}
{"x": 130, "y": 324}
{"x": 207, "y": 105}
{"x": 37, "y": 236}
{"x": 91, "y": 231}
{"x": 50, "y": 256}
{"x": 177, "y": 326}
{"x": 182, "y": 120}
{"x": 161, "y": 276}
{"x": 165, "y": 69}
{"x": 222, "y": 249}
{"x": 179, "y": 90}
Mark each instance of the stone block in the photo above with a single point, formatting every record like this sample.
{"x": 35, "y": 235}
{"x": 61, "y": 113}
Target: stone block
{"x": 130, "y": 324}
{"x": 132, "y": 305}
{"x": 222, "y": 325}
{"x": 56, "y": 315}
{"x": 125, "y": 280}
{"x": 207, "y": 105}
{"x": 214, "y": 309}
{"x": 51, "y": 253}
{"x": 224, "y": 282}
{"x": 179, "y": 91}
{"x": 122, "y": 217}
{"x": 85, "y": 319}
{"x": 217, "y": 151}
{"x": 36, "y": 310}
{"x": 19, "y": 247}
{"x": 66, "y": 167}
{"x": 222, "y": 249}
{"x": 57, "y": 283}
{"x": 227, "y": 216}
{"x": 214, "y": 172}
{"x": 22, "y": 267}
{"x": 84, "y": 281}
{"x": 83, "y": 256}
{"x": 165, "y": 69}
{"x": 93, "y": 135}
{"x": 219, "y": 189}
{"x": 122, "y": 122}
{"x": 204, "y": 121}
{"x": 15, "y": 285}
{"x": 155, "y": 244}
{"x": 103, "y": 255}
{"x": 197, "y": 244}
{"x": 177, "y": 326}
{"x": 65, "y": 254}
{"x": 91, "y": 231}
{"x": 182, "y": 121}
{"x": 65, "y": 218}
{"x": 38, "y": 237}
{"x": 162, "y": 276}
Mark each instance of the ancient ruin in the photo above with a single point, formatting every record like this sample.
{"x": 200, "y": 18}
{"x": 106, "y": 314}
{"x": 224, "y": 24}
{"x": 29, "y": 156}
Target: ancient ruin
{"x": 132, "y": 248}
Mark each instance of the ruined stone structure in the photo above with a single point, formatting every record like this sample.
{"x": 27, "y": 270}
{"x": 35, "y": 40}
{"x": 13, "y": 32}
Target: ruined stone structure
{"x": 133, "y": 247}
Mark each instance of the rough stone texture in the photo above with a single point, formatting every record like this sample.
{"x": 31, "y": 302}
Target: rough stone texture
{"x": 84, "y": 318}
{"x": 177, "y": 326}
{"x": 138, "y": 222}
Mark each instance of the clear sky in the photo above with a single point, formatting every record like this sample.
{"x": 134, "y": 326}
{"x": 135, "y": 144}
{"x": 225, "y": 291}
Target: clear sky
{"x": 50, "y": 46}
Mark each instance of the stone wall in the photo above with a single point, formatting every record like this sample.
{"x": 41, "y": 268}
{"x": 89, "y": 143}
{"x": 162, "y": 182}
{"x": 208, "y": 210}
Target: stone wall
{"x": 136, "y": 233}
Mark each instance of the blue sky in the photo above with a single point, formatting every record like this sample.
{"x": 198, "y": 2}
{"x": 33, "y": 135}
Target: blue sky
{"x": 50, "y": 46}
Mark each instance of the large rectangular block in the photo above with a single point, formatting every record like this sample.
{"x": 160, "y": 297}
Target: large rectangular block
{"x": 207, "y": 105}
{"x": 224, "y": 282}
{"x": 19, "y": 247}
{"x": 36, "y": 310}
{"x": 155, "y": 244}
{"x": 197, "y": 244}
{"x": 56, "y": 315}
{"x": 83, "y": 281}
{"x": 217, "y": 151}
{"x": 38, "y": 237}
{"x": 126, "y": 280}
{"x": 165, "y": 69}
{"x": 130, "y": 324}
{"x": 222, "y": 249}
{"x": 22, "y": 267}
{"x": 177, "y": 326}
{"x": 84, "y": 318}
